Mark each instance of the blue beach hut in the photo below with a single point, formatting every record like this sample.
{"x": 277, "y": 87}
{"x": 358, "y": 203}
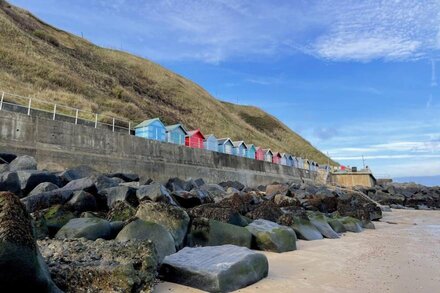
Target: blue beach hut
{"x": 225, "y": 146}
{"x": 176, "y": 134}
{"x": 283, "y": 160}
{"x": 151, "y": 129}
{"x": 251, "y": 151}
{"x": 210, "y": 143}
{"x": 240, "y": 148}
{"x": 268, "y": 155}
{"x": 290, "y": 160}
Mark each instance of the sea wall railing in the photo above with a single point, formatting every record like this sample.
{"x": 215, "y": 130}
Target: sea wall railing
{"x": 54, "y": 111}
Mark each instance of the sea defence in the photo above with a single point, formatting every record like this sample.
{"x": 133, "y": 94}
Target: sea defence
{"x": 58, "y": 145}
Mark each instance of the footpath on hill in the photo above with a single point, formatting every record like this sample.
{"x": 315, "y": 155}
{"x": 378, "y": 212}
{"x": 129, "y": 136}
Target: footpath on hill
{"x": 401, "y": 255}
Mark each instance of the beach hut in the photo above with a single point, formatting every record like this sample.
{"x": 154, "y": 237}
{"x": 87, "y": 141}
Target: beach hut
{"x": 176, "y": 134}
{"x": 210, "y": 143}
{"x": 251, "y": 151}
{"x": 268, "y": 155}
{"x": 300, "y": 163}
{"x": 194, "y": 139}
{"x": 276, "y": 159}
{"x": 283, "y": 160}
{"x": 259, "y": 154}
{"x": 225, "y": 146}
{"x": 306, "y": 164}
{"x": 151, "y": 129}
{"x": 240, "y": 148}
{"x": 290, "y": 160}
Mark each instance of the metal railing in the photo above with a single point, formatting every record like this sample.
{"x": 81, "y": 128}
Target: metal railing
{"x": 54, "y": 111}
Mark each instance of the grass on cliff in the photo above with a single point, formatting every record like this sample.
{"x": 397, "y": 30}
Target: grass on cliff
{"x": 39, "y": 60}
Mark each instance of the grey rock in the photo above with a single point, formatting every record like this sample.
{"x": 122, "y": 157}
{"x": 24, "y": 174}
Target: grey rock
{"x": 102, "y": 182}
{"x": 4, "y": 168}
{"x": 141, "y": 230}
{"x": 56, "y": 217}
{"x": 351, "y": 224}
{"x": 89, "y": 228}
{"x": 116, "y": 227}
{"x": 31, "y": 179}
{"x": 234, "y": 184}
{"x": 336, "y": 225}
{"x": 215, "y": 191}
{"x": 23, "y": 163}
{"x": 82, "y": 201}
{"x": 120, "y": 193}
{"x": 215, "y": 269}
{"x": 7, "y": 158}
{"x": 76, "y": 173}
{"x": 154, "y": 192}
{"x": 9, "y": 181}
{"x": 302, "y": 226}
{"x": 121, "y": 211}
{"x": 43, "y": 187}
{"x": 46, "y": 199}
{"x": 270, "y": 236}
{"x": 319, "y": 221}
{"x": 173, "y": 218}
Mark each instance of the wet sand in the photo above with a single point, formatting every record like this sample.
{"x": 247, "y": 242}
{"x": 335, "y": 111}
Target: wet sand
{"x": 402, "y": 255}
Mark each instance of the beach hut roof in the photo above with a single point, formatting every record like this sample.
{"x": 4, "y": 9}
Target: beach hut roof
{"x": 193, "y": 132}
{"x": 277, "y": 154}
{"x": 148, "y": 122}
{"x": 175, "y": 126}
{"x": 239, "y": 143}
{"x": 268, "y": 151}
{"x": 224, "y": 140}
{"x": 251, "y": 146}
{"x": 210, "y": 135}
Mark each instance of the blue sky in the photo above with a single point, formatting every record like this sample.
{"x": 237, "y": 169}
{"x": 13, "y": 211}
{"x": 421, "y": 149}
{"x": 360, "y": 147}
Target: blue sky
{"x": 353, "y": 77}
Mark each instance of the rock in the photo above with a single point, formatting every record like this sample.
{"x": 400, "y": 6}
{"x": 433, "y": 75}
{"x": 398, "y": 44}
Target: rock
{"x": 134, "y": 184}
{"x": 120, "y": 193}
{"x": 215, "y": 269}
{"x": 368, "y": 225}
{"x": 386, "y": 198}
{"x": 234, "y": 184}
{"x": 274, "y": 189}
{"x": 7, "y": 158}
{"x": 192, "y": 198}
{"x": 319, "y": 221}
{"x": 351, "y": 224}
{"x": 86, "y": 184}
{"x": 39, "y": 225}
{"x": 385, "y": 208}
{"x": 141, "y": 230}
{"x": 302, "y": 226}
{"x": 270, "y": 236}
{"x": 43, "y": 187}
{"x": 76, "y": 173}
{"x": 82, "y": 201}
{"x": 121, "y": 211}
{"x": 173, "y": 218}
{"x": 267, "y": 211}
{"x": 56, "y": 217}
{"x": 80, "y": 265}
{"x": 205, "y": 232}
{"x": 336, "y": 225}
{"x": 30, "y": 179}
{"x": 220, "y": 213}
{"x": 9, "y": 181}
{"x": 4, "y": 168}
{"x": 357, "y": 205}
{"x": 232, "y": 191}
{"x": 127, "y": 177}
{"x": 154, "y": 192}
{"x": 22, "y": 269}
{"x": 215, "y": 191}
{"x": 116, "y": 227}
{"x": 397, "y": 206}
{"x": 23, "y": 163}
{"x": 89, "y": 228}
{"x": 423, "y": 207}
{"x": 285, "y": 201}
{"x": 103, "y": 182}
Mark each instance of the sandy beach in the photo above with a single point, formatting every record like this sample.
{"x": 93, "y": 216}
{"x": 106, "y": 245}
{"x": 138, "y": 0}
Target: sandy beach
{"x": 401, "y": 255}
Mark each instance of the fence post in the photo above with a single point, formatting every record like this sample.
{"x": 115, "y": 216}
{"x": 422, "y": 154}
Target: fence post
{"x": 54, "y": 111}
{"x": 113, "y": 126}
{"x": 96, "y": 120}
{"x": 29, "y": 106}
{"x": 76, "y": 117}
{"x": 129, "y": 127}
{"x": 1, "y": 101}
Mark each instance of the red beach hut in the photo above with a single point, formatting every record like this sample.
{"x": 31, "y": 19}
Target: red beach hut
{"x": 259, "y": 154}
{"x": 276, "y": 158}
{"x": 194, "y": 139}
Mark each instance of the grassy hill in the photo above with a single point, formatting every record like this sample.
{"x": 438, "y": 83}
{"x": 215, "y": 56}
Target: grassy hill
{"x": 40, "y": 60}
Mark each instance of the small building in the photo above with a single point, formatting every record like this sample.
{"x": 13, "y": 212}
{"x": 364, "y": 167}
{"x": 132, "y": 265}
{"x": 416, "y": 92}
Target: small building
{"x": 283, "y": 160}
{"x": 268, "y": 155}
{"x": 240, "y": 148}
{"x": 306, "y": 164}
{"x": 290, "y": 160}
{"x": 259, "y": 154}
{"x": 251, "y": 151}
{"x": 276, "y": 159}
{"x": 151, "y": 129}
{"x": 225, "y": 146}
{"x": 210, "y": 143}
{"x": 194, "y": 139}
{"x": 176, "y": 134}
{"x": 300, "y": 162}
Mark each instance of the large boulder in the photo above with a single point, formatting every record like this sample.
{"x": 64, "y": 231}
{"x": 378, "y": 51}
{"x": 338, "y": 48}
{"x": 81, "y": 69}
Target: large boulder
{"x": 270, "y": 236}
{"x": 387, "y": 198}
{"x": 320, "y": 222}
{"x": 22, "y": 269}
{"x": 351, "y": 224}
{"x": 6, "y": 158}
{"x": 56, "y": 217}
{"x": 154, "y": 192}
{"x": 82, "y": 201}
{"x": 205, "y": 232}
{"x": 234, "y": 184}
{"x": 267, "y": 210}
{"x": 141, "y": 230}
{"x": 102, "y": 182}
{"x": 80, "y": 265}
{"x": 173, "y": 218}
{"x": 302, "y": 226}
{"x": 222, "y": 213}
{"x": 190, "y": 199}
{"x": 76, "y": 173}
{"x": 120, "y": 193}
{"x": 127, "y": 177}
{"x": 23, "y": 163}
{"x": 215, "y": 191}
{"x": 358, "y": 205}
{"x": 9, "y": 181}
{"x": 89, "y": 228}
{"x": 30, "y": 179}
{"x": 336, "y": 225}
{"x": 121, "y": 211}
{"x": 43, "y": 187}
{"x": 46, "y": 199}
{"x": 215, "y": 269}
{"x": 274, "y": 189}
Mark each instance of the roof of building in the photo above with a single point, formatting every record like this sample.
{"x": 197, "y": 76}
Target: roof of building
{"x": 175, "y": 126}
{"x": 224, "y": 140}
{"x": 148, "y": 122}
{"x": 210, "y": 135}
{"x": 239, "y": 143}
{"x": 193, "y": 132}
{"x": 251, "y": 146}
{"x": 268, "y": 150}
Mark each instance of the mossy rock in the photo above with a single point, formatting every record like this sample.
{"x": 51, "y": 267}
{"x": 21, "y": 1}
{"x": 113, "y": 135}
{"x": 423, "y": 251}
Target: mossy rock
{"x": 56, "y": 217}
{"x": 336, "y": 225}
{"x": 351, "y": 224}
{"x": 270, "y": 236}
{"x": 89, "y": 228}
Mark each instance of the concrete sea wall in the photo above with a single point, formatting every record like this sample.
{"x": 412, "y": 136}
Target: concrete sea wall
{"x": 58, "y": 145}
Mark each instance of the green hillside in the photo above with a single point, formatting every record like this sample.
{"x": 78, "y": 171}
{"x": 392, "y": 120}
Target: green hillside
{"x": 40, "y": 60}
